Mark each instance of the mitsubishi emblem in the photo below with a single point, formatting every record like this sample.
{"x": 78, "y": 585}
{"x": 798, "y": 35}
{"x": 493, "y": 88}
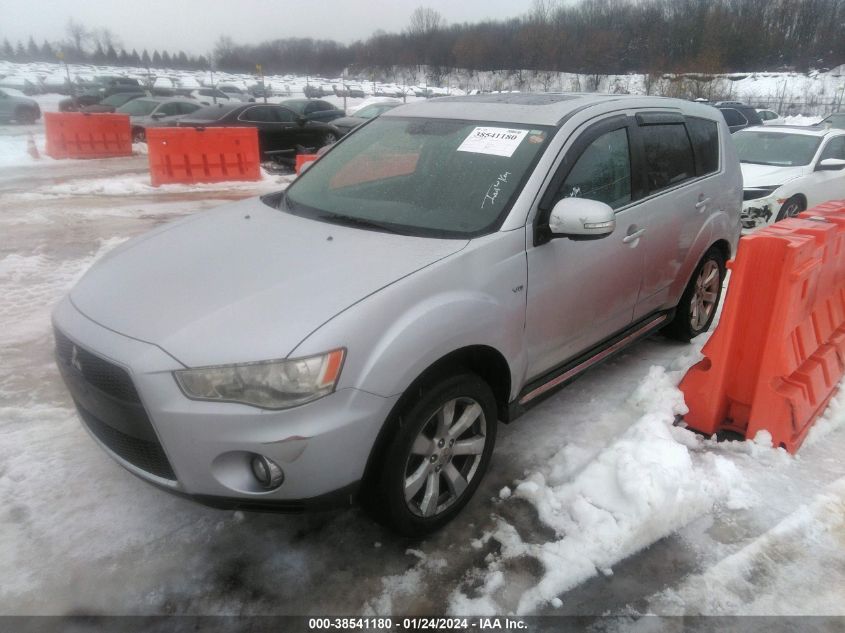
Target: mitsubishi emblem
{"x": 74, "y": 359}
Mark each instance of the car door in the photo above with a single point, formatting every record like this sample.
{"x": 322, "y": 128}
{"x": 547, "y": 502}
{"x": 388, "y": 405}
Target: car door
{"x": 270, "y": 133}
{"x": 167, "y": 114}
{"x": 682, "y": 190}
{"x": 581, "y": 292}
{"x": 827, "y": 184}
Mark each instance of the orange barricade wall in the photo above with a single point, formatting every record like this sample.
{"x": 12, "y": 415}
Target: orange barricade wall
{"x": 778, "y": 353}
{"x": 83, "y": 135}
{"x": 192, "y": 155}
{"x": 301, "y": 159}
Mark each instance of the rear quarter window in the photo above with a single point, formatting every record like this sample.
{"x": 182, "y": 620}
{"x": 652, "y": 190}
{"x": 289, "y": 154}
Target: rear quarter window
{"x": 704, "y": 135}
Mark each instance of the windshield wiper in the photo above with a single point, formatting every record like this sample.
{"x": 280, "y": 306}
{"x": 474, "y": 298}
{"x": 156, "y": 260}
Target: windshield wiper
{"x": 362, "y": 223}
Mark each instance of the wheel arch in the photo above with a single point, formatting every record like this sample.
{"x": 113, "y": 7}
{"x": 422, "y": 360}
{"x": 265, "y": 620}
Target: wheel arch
{"x": 485, "y": 361}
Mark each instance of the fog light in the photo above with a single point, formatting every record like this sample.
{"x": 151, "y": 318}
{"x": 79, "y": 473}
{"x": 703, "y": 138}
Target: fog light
{"x": 267, "y": 472}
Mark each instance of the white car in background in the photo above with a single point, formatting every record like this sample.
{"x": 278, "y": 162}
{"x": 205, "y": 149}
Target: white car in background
{"x": 787, "y": 169}
{"x": 770, "y": 117}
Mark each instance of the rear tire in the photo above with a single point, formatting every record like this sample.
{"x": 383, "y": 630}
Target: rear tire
{"x": 139, "y": 135}
{"x": 438, "y": 455}
{"x": 791, "y": 208}
{"x": 698, "y": 304}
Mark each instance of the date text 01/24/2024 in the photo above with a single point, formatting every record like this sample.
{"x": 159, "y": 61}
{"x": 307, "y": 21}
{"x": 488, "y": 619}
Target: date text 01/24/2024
{"x": 416, "y": 624}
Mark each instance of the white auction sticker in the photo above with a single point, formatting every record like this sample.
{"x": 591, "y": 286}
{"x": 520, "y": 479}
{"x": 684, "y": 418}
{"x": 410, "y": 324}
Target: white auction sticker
{"x": 499, "y": 141}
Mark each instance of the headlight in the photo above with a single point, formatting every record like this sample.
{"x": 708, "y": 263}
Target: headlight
{"x": 278, "y": 384}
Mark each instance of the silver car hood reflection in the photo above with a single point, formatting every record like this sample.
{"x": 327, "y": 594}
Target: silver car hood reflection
{"x": 244, "y": 282}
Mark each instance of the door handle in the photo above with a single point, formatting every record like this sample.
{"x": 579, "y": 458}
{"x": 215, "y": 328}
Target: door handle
{"x": 633, "y": 236}
{"x": 702, "y": 203}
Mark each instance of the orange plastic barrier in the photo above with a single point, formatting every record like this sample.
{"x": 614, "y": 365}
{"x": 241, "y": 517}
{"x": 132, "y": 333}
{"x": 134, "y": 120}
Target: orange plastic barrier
{"x": 778, "y": 353}
{"x": 84, "y": 135}
{"x": 192, "y": 155}
{"x": 301, "y": 159}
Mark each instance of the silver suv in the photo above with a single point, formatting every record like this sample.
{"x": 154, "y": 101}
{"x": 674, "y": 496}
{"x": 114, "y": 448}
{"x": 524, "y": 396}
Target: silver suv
{"x": 444, "y": 267}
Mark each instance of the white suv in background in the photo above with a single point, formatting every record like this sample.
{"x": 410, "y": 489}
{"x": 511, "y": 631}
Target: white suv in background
{"x": 786, "y": 169}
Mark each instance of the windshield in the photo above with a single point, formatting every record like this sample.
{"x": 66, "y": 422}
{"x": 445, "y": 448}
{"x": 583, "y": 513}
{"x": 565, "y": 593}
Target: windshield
{"x": 775, "y": 148}
{"x": 138, "y": 107}
{"x": 436, "y": 177}
{"x": 372, "y": 111}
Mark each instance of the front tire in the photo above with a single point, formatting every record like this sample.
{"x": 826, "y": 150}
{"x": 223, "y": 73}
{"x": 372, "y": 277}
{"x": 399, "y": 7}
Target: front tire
{"x": 439, "y": 455}
{"x": 791, "y": 208}
{"x": 697, "y": 308}
{"x": 329, "y": 138}
{"x": 139, "y": 135}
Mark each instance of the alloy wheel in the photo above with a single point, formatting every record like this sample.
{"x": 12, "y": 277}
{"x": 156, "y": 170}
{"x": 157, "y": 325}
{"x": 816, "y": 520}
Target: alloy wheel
{"x": 445, "y": 457}
{"x": 706, "y": 295}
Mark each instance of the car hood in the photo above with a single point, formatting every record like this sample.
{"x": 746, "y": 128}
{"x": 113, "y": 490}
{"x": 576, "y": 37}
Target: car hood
{"x": 244, "y": 282}
{"x": 768, "y": 175}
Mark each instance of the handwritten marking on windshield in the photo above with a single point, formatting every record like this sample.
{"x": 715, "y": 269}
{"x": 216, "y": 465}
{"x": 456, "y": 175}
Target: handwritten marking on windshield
{"x": 494, "y": 189}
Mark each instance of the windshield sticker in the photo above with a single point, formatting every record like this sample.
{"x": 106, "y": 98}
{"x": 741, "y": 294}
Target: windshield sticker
{"x": 494, "y": 189}
{"x": 499, "y": 141}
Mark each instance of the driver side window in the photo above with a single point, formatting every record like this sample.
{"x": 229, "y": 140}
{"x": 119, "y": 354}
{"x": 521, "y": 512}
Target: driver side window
{"x": 602, "y": 172}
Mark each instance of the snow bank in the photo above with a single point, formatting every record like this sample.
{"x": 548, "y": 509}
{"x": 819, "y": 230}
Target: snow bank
{"x": 643, "y": 486}
{"x": 13, "y": 150}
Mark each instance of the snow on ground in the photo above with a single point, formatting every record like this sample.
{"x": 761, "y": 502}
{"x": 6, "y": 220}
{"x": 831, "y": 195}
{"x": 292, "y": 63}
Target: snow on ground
{"x": 596, "y": 502}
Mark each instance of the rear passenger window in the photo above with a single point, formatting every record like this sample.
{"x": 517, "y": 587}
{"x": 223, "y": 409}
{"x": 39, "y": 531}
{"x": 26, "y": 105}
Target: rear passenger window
{"x": 733, "y": 117}
{"x": 602, "y": 172}
{"x": 704, "y": 135}
{"x": 668, "y": 155}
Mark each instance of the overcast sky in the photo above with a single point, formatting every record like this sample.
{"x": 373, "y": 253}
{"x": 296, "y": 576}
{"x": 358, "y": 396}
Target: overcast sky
{"x": 194, "y": 25}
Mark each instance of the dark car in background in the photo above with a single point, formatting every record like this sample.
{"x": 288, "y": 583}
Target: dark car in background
{"x": 16, "y": 106}
{"x": 281, "y": 131}
{"x": 737, "y": 115}
{"x": 88, "y": 93}
{"x": 348, "y": 123}
{"x": 314, "y": 109}
{"x": 155, "y": 112}
{"x": 113, "y": 102}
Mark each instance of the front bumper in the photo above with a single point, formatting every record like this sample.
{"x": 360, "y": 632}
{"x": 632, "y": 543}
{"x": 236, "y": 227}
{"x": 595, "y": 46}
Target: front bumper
{"x": 759, "y": 212}
{"x": 322, "y": 447}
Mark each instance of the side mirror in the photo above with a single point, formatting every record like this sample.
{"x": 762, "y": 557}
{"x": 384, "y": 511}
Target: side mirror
{"x": 301, "y": 120}
{"x": 831, "y": 164}
{"x": 580, "y": 218}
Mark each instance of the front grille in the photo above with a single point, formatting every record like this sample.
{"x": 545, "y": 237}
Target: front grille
{"x": 99, "y": 373}
{"x": 147, "y": 456}
{"x": 111, "y": 408}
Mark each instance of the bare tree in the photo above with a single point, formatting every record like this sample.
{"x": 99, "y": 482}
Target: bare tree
{"x": 78, "y": 34}
{"x": 425, "y": 21}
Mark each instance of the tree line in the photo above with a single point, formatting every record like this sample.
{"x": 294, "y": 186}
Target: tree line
{"x": 591, "y": 37}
